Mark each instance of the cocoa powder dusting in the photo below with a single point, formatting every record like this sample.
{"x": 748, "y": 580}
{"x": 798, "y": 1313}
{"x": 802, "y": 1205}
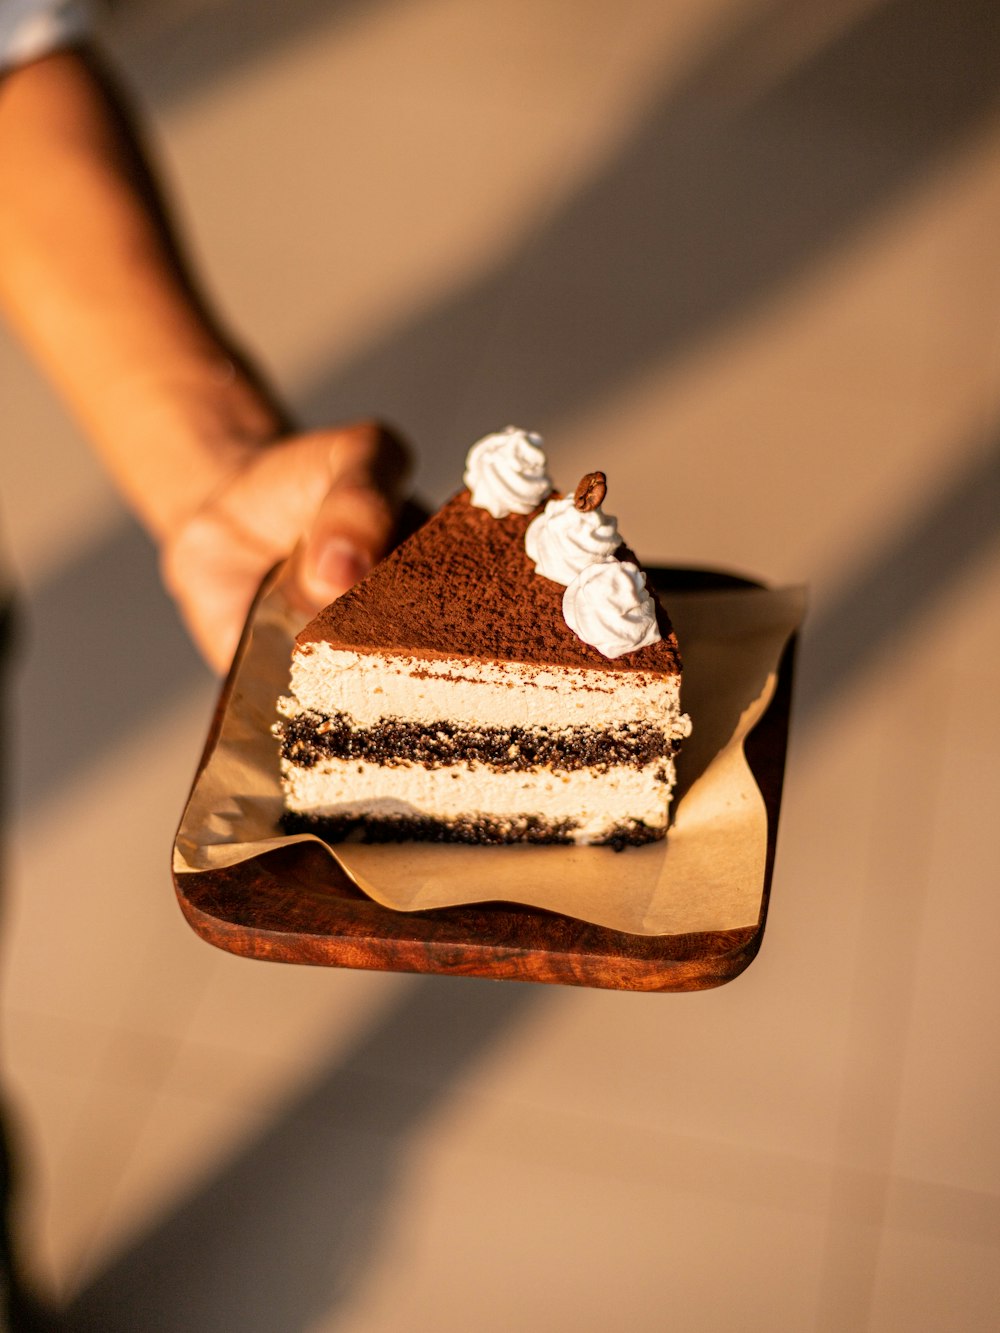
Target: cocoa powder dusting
{"x": 462, "y": 586}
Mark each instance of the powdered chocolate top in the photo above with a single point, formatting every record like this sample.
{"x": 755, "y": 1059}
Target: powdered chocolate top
{"x": 462, "y": 586}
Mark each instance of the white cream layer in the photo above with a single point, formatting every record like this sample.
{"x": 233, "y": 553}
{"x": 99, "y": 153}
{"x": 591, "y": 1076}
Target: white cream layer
{"x": 599, "y": 802}
{"x": 481, "y": 694}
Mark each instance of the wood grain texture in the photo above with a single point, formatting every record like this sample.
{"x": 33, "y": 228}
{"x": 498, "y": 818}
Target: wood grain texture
{"x": 295, "y": 904}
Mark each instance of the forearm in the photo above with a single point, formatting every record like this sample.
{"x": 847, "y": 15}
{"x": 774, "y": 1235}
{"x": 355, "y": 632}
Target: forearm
{"x": 92, "y": 280}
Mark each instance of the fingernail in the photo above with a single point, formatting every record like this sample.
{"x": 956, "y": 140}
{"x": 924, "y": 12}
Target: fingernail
{"x": 340, "y": 564}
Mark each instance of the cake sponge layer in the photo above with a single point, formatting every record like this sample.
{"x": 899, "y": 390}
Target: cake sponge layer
{"x": 368, "y": 687}
{"x": 588, "y": 805}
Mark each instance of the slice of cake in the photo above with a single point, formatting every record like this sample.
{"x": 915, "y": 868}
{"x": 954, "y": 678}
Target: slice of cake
{"x": 503, "y": 676}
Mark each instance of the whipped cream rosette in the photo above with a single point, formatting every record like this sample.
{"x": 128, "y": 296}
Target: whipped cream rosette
{"x": 608, "y": 606}
{"x": 572, "y": 541}
{"x": 506, "y": 472}
{"x": 564, "y": 538}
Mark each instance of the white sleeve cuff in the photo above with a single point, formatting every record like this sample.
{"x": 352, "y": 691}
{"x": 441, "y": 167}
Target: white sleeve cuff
{"x": 33, "y": 28}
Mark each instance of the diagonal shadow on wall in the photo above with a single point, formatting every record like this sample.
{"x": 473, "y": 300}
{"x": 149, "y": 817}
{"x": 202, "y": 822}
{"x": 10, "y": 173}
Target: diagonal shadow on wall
{"x": 717, "y": 204}
{"x": 281, "y": 1233}
{"x": 885, "y": 595}
{"x": 184, "y": 48}
{"x": 99, "y": 650}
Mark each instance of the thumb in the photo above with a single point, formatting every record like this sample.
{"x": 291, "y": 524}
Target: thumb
{"x": 354, "y": 523}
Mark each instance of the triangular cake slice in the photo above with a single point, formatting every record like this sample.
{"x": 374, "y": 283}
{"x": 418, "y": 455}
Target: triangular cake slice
{"x": 445, "y": 698}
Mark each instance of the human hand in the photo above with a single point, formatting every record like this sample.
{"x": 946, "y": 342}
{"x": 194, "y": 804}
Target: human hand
{"x": 328, "y": 495}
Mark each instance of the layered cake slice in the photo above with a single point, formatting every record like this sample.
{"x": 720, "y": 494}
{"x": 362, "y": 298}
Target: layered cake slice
{"x": 503, "y": 676}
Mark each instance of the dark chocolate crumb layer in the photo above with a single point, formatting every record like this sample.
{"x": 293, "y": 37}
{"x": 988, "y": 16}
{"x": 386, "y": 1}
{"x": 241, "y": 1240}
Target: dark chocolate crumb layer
{"x": 474, "y": 832}
{"x": 308, "y": 739}
{"x": 480, "y": 831}
{"x": 632, "y": 833}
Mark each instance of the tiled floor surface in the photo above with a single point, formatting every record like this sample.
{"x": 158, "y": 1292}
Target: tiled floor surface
{"x": 742, "y": 253}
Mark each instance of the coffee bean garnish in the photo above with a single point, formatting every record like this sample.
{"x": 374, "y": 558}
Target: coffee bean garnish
{"x": 591, "y": 492}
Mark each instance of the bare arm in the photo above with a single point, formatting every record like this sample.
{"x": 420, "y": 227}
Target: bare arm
{"x": 92, "y": 279}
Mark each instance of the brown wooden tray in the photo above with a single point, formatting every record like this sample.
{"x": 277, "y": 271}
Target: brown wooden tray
{"x": 295, "y": 905}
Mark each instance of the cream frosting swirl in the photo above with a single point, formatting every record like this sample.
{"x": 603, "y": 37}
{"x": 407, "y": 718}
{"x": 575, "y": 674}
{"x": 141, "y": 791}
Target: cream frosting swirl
{"x": 506, "y": 472}
{"x": 562, "y": 540}
{"x": 608, "y": 606}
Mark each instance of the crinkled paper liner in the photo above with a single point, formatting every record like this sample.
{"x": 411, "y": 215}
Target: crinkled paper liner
{"x": 707, "y": 875}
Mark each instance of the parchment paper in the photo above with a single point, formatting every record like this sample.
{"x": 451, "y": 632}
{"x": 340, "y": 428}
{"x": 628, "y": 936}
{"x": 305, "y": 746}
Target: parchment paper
{"x": 707, "y": 875}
